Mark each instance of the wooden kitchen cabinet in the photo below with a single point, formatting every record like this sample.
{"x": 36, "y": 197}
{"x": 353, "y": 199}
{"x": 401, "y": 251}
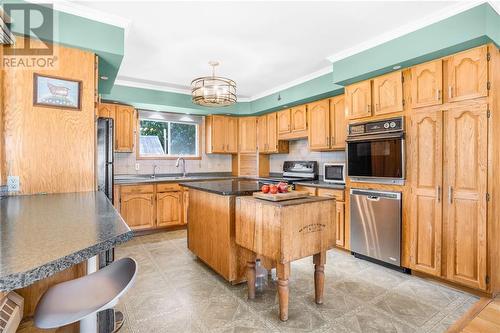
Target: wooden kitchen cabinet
{"x": 185, "y": 205}
{"x": 221, "y": 134}
{"x": 427, "y": 84}
{"x": 137, "y": 209}
{"x": 267, "y": 135}
{"x": 247, "y": 134}
{"x": 426, "y": 194}
{"x": 465, "y": 183}
{"x": 299, "y": 118}
{"x": 284, "y": 122}
{"x": 169, "y": 208}
{"x": 340, "y": 224}
{"x": 124, "y": 128}
{"x": 467, "y": 74}
{"x": 327, "y": 124}
{"x": 106, "y": 110}
{"x": 292, "y": 123}
{"x": 358, "y": 100}
{"x": 388, "y": 93}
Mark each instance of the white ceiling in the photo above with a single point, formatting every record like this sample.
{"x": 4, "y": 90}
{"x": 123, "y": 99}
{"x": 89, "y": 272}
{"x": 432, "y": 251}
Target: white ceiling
{"x": 263, "y": 46}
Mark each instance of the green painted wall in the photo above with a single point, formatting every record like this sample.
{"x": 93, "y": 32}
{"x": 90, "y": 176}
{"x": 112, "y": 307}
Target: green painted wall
{"x": 107, "y": 41}
{"x": 468, "y": 29}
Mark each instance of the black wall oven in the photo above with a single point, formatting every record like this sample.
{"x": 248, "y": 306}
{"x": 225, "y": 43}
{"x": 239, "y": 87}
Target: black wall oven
{"x": 375, "y": 151}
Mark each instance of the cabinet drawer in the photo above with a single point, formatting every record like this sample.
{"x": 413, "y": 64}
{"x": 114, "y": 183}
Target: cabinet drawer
{"x": 137, "y": 189}
{"x": 311, "y": 190}
{"x": 168, "y": 187}
{"x": 337, "y": 194}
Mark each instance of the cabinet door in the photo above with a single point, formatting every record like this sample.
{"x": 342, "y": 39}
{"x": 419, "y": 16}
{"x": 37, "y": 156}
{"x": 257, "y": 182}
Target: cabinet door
{"x": 466, "y": 155}
{"x": 124, "y": 128}
{"x": 388, "y": 93}
{"x": 338, "y": 124}
{"x": 319, "y": 125}
{"x": 468, "y": 74}
{"x": 339, "y": 224}
{"x": 231, "y": 130}
{"x": 168, "y": 208}
{"x": 185, "y": 206}
{"x": 427, "y": 84}
{"x": 262, "y": 134}
{"x": 106, "y": 110}
{"x": 284, "y": 122}
{"x": 138, "y": 210}
{"x": 272, "y": 133}
{"x": 426, "y": 192}
{"x": 299, "y": 118}
{"x": 358, "y": 100}
{"x": 248, "y": 134}
{"x": 218, "y": 134}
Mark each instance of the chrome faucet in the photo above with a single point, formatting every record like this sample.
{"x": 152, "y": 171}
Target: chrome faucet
{"x": 155, "y": 169}
{"x": 183, "y": 165}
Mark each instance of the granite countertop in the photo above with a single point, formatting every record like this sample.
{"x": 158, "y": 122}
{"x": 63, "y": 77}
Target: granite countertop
{"x": 322, "y": 184}
{"x": 41, "y": 235}
{"x": 226, "y": 187}
{"x": 173, "y": 178}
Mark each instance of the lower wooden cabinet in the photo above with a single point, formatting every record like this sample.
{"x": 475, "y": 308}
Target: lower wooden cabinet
{"x": 152, "y": 206}
{"x": 340, "y": 224}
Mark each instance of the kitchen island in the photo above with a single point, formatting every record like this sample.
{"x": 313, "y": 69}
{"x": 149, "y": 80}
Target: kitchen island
{"x": 211, "y": 225}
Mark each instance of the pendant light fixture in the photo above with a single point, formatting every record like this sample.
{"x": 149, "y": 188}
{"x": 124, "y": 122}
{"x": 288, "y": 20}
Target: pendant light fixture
{"x": 213, "y": 90}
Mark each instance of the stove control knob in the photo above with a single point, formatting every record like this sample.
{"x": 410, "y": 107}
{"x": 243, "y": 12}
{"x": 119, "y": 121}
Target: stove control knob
{"x": 386, "y": 125}
{"x": 393, "y": 124}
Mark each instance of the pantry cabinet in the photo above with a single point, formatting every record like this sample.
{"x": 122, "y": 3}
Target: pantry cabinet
{"x": 427, "y": 84}
{"x": 468, "y": 74}
{"x": 358, "y": 99}
{"x": 151, "y": 206}
{"x": 327, "y": 125}
{"x": 388, "y": 93}
{"x": 267, "y": 135}
{"x": 426, "y": 194}
{"x": 449, "y": 193}
{"x": 247, "y": 134}
{"x": 221, "y": 134}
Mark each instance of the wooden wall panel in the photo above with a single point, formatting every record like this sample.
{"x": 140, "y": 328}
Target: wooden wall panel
{"x": 51, "y": 149}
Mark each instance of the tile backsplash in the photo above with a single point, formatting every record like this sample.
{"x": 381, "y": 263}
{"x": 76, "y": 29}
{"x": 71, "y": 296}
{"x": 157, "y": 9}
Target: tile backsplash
{"x": 299, "y": 151}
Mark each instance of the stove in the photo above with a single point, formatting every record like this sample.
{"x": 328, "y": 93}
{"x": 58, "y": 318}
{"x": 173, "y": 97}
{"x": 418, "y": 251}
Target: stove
{"x": 295, "y": 171}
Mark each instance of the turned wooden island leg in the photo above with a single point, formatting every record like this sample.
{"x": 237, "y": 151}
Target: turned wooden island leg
{"x": 251, "y": 279}
{"x": 283, "y": 272}
{"x": 319, "y": 260}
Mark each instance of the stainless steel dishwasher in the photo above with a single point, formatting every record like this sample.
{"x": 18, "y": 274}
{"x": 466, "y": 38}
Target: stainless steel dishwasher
{"x": 376, "y": 225}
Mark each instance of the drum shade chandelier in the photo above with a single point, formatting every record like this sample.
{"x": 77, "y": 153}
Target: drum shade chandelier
{"x": 213, "y": 90}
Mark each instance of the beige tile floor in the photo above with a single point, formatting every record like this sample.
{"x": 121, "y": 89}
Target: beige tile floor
{"x": 174, "y": 292}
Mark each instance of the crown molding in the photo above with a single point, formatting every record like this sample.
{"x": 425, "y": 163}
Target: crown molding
{"x": 495, "y": 5}
{"x": 86, "y": 12}
{"x": 408, "y": 28}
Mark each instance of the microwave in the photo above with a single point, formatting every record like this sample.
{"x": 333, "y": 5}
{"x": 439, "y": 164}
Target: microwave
{"x": 334, "y": 173}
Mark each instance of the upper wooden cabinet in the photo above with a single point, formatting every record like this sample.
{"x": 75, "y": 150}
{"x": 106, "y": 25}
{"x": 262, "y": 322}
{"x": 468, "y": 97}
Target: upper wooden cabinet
{"x": 124, "y": 128}
{"x": 467, "y": 74}
{"x": 358, "y": 100}
{"x": 221, "y": 134}
{"x": 426, "y": 195}
{"x": 267, "y": 135}
{"x": 388, "y": 93}
{"x": 247, "y": 134}
{"x": 327, "y": 125}
{"x": 106, "y": 110}
{"x": 292, "y": 123}
{"x": 427, "y": 84}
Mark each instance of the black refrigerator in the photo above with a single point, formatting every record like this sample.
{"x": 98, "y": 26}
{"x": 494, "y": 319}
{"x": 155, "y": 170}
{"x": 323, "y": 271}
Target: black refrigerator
{"x": 105, "y": 150}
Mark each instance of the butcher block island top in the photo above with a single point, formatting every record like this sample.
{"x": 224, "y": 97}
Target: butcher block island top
{"x": 282, "y": 232}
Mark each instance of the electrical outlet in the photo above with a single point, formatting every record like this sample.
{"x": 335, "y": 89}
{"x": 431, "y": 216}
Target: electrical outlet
{"x": 13, "y": 184}
{"x": 137, "y": 167}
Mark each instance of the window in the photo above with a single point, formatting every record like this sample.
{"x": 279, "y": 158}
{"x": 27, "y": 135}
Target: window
{"x": 166, "y": 135}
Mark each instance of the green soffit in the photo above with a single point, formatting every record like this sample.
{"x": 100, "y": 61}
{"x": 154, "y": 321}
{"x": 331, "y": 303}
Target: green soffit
{"x": 105, "y": 40}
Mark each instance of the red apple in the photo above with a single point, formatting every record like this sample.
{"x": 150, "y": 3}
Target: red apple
{"x": 283, "y": 187}
{"x": 273, "y": 189}
{"x": 265, "y": 188}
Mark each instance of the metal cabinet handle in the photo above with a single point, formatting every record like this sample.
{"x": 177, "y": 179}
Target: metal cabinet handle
{"x": 438, "y": 94}
{"x": 438, "y": 193}
{"x": 368, "y": 108}
{"x": 450, "y": 194}
{"x": 331, "y": 140}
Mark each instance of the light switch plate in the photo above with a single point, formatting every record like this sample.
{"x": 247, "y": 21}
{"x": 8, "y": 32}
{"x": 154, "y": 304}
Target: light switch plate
{"x": 137, "y": 166}
{"x": 13, "y": 184}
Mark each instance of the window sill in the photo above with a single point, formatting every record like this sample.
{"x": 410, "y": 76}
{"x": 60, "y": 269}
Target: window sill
{"x": 168, "y": 157}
